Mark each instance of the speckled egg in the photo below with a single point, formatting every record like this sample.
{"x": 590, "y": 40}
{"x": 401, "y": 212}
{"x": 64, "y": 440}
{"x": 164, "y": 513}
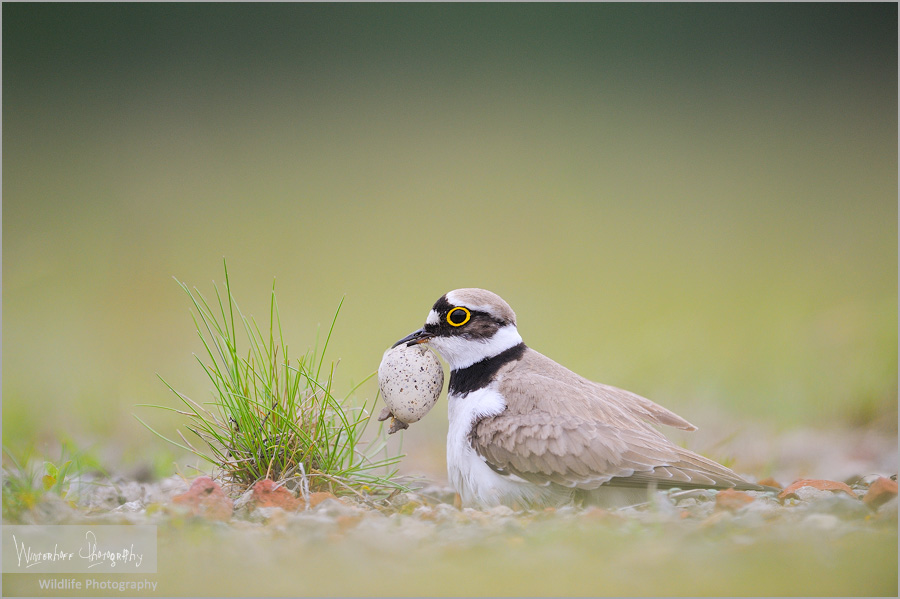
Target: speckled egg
{"x": 410, "y": 379}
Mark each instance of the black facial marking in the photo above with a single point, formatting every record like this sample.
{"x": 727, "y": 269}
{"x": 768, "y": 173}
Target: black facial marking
{"x": 480, "y": 374}
{"x": 442, "y": 306}
{"x": 480, "y": 325}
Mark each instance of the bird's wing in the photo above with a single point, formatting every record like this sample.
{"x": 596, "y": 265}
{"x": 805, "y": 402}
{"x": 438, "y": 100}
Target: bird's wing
{"x": 539, "y": 381}
{"x": 543, "y": 449}
{"x": 557, "y": 431}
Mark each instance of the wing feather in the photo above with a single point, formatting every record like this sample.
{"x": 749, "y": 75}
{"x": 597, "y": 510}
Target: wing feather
{"x": 568, "y": 431}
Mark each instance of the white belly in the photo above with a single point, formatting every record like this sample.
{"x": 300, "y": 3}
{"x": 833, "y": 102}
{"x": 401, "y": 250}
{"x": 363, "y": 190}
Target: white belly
{"x": 477, "y": 484}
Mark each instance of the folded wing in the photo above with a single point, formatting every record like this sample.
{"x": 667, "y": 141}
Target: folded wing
{"x": 575, "y": 433}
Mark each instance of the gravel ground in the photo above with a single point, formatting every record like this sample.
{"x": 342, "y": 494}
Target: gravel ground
{"x": 122, "y": 501}
{"x": 809, "y": 542}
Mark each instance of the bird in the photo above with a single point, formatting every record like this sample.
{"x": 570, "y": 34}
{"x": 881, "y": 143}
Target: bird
{"x": 528, "y": 433}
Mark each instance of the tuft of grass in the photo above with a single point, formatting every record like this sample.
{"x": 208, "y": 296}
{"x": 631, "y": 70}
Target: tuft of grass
{"x": 25, "y": 484}
{"x": 272, "y": 417}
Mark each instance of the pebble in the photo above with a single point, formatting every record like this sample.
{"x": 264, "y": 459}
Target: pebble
{"x": 206, "y": 499}
{"x": 446, "y": 511}
{"x": 244, "y": 504}
{"x": 315, "y": 499}
{"x": 840, "y": 505}
{"x": 818, "y": 484}
{"x": 888, "y": 511}
{"x": 880, "y": 491}
{"x": 266, "y": 493}
{"x": 823, "y": 521}
{"x": 270, "y": 515}
{"x": 131, "y": 506}
{"x": 334, "y": 507}
{"x": 732, "y": 500}
{"x": 501, "y": 510}
{"x": 808, "y": 494}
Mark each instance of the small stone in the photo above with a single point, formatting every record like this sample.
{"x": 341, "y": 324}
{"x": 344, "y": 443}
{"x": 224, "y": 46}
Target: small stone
{"x": 168, "y": 488}
{"x": 445, "y": 511}
{"x": 840, "y": 505}
{"x": 823, "y": 521}
{"x": 402, "y": 499}
{"x": 888, "y": 512}
{"x": 880, "y": 492}
{"x": 715, "y": 519}
{"x": 770, "y": 482}
{"x": 766, "y": 508}
{"x": 335, "y": 508}
{"x": 811, "y": 494}
{"x": 501, "y": 510}
{"x": 266, "y": 494}
{"x": 317, "y": 498}
{"x": 272, "y": 516}
{"x": 131, "y": 507}
{"x": 103, "y": 497}
{"x": 205, "y": 498}
{"x": 821, "y": 485}
{"x": 698, "y": 495}
{"x": 348, "y": 522}
{"x": 437, "y": 494}
{"x": 423, "y": 512}
{"x": 732, "y": 500}
{"x": 244, "y": 503}
{"x": 409, "y": 507}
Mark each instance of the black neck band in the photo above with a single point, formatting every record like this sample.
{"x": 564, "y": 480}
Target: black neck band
{"x": 479, "y": 375}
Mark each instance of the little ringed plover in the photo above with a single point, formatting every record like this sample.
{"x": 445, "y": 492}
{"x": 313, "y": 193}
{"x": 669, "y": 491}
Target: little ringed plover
{"x": 527, "y": 432}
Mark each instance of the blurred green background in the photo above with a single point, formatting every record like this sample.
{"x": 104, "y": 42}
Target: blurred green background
{"x": 694, "y": 202}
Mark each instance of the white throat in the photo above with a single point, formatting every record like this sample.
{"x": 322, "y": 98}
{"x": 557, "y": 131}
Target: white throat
{"x": 460, "y": 352}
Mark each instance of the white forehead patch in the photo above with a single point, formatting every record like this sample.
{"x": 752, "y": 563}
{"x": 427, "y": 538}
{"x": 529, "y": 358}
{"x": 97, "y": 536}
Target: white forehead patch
{"x": 455, "y": 299}
{"x": 482, "y": 300}
{"x": 433, "y": 318}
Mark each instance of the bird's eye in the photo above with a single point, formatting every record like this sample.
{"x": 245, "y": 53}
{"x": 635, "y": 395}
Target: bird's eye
{"x": 458, "y": 316}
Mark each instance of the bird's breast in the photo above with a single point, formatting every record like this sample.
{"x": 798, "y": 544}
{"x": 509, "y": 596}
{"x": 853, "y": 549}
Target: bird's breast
{"x": 469, "y": 474}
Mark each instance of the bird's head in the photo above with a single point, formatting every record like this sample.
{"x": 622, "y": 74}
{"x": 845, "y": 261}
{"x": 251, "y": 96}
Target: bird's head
{"x": 466, "y": 326}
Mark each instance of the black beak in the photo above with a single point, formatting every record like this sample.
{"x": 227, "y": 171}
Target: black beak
{"x": 419, "y": 336}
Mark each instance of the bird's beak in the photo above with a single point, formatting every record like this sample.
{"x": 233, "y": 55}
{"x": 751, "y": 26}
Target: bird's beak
{"x": 419, "y": 336}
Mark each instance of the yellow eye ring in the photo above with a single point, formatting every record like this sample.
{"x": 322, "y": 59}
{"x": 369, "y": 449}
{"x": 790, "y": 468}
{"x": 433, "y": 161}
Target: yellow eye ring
{"x": 458, "y": 324}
